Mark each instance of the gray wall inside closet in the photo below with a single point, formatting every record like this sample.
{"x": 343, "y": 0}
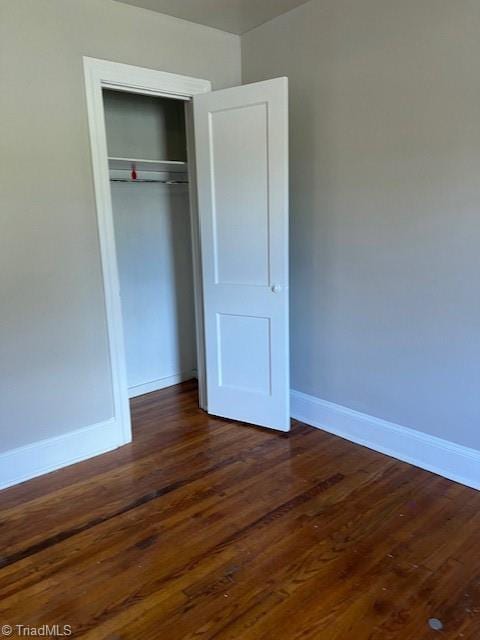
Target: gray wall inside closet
{"x": 153, "y": 241}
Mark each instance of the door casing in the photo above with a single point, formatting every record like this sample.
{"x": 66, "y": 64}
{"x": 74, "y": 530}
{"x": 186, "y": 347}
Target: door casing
{"x": 100, "y": 74}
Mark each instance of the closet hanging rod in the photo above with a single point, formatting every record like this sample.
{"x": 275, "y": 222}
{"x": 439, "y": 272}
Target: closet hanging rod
{"x": 148, "y": 180}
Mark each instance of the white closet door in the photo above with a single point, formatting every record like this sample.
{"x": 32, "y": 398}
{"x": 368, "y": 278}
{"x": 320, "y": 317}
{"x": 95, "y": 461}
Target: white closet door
{"x": 241, "y": 139}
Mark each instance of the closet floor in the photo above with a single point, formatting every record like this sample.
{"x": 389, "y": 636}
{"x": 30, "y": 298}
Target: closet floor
{"x": 204, "y": 528}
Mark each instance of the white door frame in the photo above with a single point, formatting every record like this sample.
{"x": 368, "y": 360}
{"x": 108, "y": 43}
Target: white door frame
{"x": 101, "y": 74}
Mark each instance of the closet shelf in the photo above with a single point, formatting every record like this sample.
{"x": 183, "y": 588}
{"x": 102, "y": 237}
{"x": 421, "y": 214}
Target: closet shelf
{"x": 148, "y": 165}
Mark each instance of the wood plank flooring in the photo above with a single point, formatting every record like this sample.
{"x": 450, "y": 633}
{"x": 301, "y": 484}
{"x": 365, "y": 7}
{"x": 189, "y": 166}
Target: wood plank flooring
{"x": 204, "y": 528}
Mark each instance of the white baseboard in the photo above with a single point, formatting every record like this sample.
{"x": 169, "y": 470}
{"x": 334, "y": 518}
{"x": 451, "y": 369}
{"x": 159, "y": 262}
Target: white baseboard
{"x": 32, "y": 460}
{"x": 161, "y": 383}
{"x": 442, "y": 457}
{"x": 37, "y": 458}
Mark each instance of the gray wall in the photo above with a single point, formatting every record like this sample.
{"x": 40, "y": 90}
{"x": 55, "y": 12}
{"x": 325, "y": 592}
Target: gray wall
{"x": 153, "y": 241}
{"x": 54, "y": 365}
{"x": 144, "y": 127}
{"x": 385, "y": 204}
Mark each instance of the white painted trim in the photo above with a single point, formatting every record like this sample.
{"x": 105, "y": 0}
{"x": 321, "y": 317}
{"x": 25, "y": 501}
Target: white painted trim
{"x": 161, "y": 383}
{"x": 32, "y": 460}
{"x": 442, "y": 457}
{"x": 100, "y": 74}
{"x": 196, "y": 259}
{"x": 126, "y": 77}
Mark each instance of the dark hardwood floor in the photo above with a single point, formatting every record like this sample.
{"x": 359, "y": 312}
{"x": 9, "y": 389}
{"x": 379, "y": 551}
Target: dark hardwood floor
{"x": 203, "y": 528}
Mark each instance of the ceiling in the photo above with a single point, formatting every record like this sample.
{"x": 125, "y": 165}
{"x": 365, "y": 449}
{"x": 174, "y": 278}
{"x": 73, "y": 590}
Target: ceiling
{"x": 236, "y": 16}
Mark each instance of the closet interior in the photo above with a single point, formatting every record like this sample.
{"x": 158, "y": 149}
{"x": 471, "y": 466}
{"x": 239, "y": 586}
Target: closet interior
{"x": 147, "y": 150}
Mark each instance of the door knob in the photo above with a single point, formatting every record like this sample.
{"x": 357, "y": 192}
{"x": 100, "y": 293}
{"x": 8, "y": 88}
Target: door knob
{"x": 276, "y": 288}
